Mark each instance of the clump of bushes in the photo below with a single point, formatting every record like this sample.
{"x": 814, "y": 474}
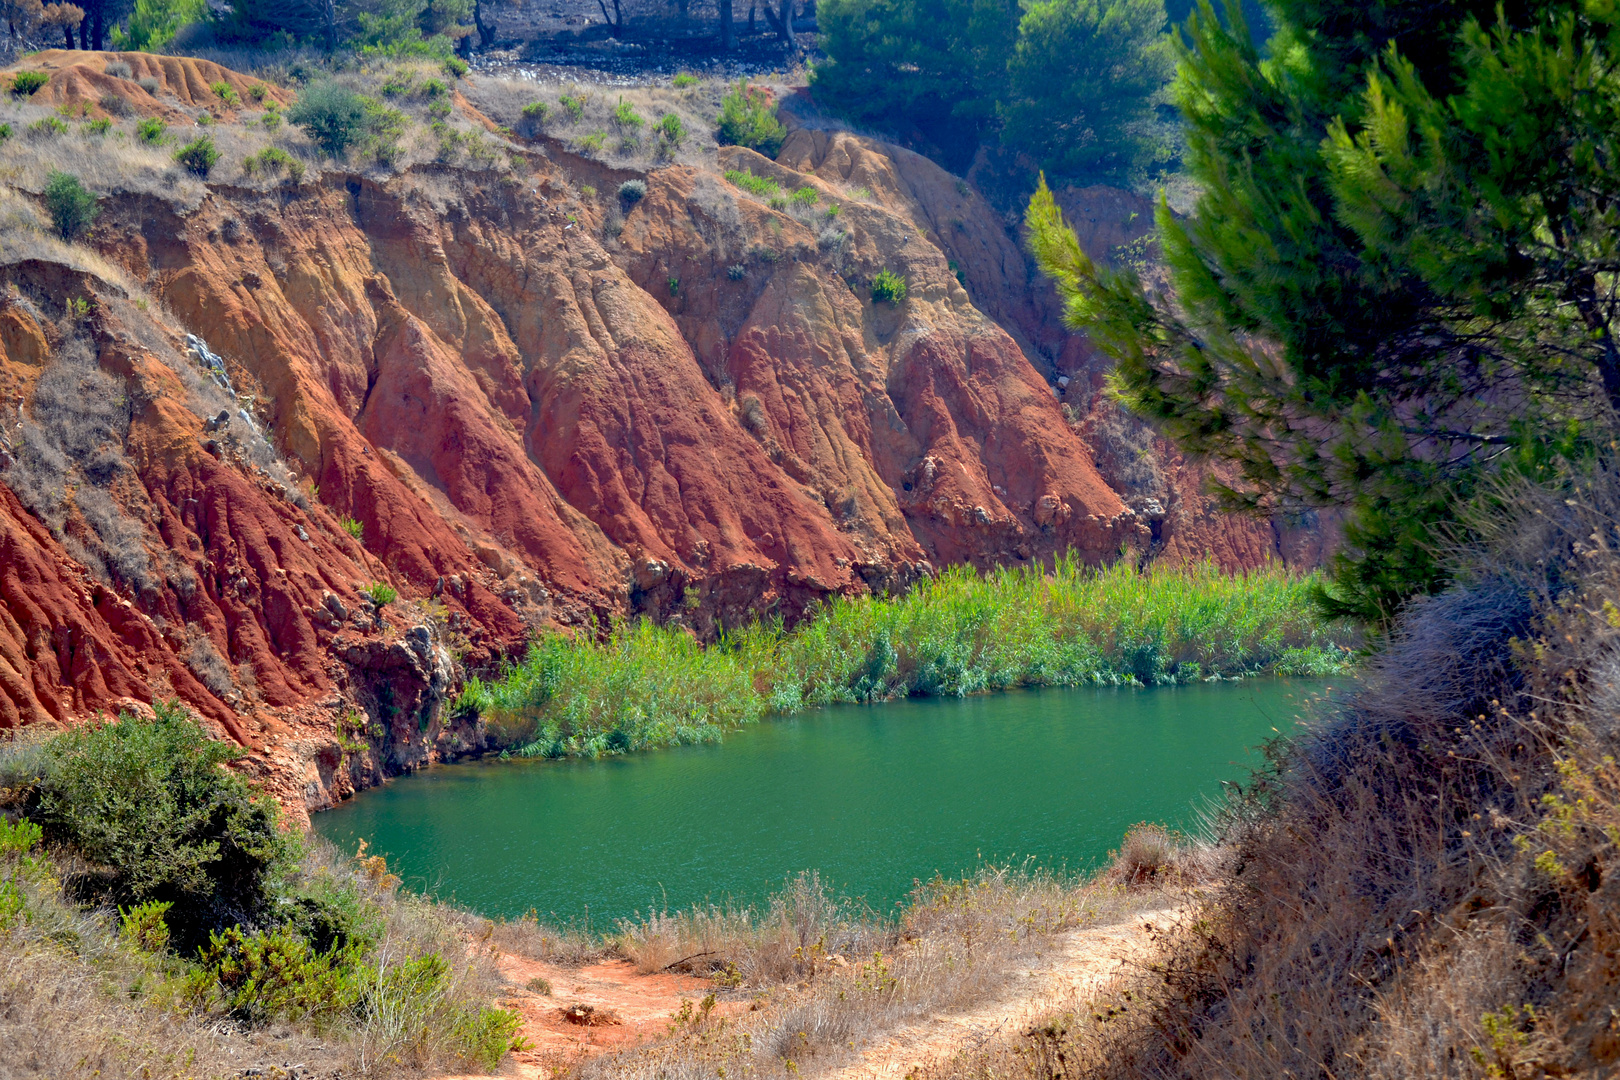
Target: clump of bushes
{"x": 748, "y": 118}
{"x": 632, "y": 191}
{"x": 199, "y": 156}
{"x": 226, "y": 93}
{"x": 28, "y": 83}
{"x": 888, "y": 287}
{"x": 216, "y": 911}
{"x": 573, "y": 105}
{"x": 72, "y": 207}
{"x": 625, "y": 118}
{"x": 47, "y": 127}
{"x": 382, "y": 594}
{"x": 151, "y": 131}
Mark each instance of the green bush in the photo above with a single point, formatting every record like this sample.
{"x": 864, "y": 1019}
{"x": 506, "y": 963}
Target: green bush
{"x": 633, "y": 190}
{"x": 226, "y": 93}
{"x": 748, "y": 118}
{"x": 27, "y": 83}
{"x": 888, "y": 287}
{"x": 382, "y": 594}
{"x": 805, "y": 197}
{"x": 670, "y": 130}
{"x": 279, "y": 976}
{"x": 683, "y": 79}
{"x": 6, "y": 132}
{"x": 73, "y": 208}
{"x": 573, "y": 106}
{"x": 151, "y": 804}
{"x": 99, "y": 126}
{"x": 332, "y": 115}
{"x": 151, "y": 130}
{"x": 198, "y": 156}
{"x": 47, "y": 127}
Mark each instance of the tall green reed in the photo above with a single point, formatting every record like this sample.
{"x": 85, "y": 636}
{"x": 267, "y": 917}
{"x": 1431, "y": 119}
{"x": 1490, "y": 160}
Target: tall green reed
{"x": 961, "y": 632}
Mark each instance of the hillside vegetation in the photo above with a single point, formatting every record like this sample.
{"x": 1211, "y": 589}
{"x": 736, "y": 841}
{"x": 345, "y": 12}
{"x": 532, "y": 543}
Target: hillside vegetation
{"x": 959, "y": 633}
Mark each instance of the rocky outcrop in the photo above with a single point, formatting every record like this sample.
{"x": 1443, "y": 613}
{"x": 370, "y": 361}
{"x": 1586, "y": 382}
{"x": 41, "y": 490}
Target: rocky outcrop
{"x": 306, "y": 451}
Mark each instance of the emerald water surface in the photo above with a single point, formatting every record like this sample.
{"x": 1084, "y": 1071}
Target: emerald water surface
{"x": 873, "y": 797}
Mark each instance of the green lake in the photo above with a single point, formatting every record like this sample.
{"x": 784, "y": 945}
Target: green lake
{"x": 873, "y": 797}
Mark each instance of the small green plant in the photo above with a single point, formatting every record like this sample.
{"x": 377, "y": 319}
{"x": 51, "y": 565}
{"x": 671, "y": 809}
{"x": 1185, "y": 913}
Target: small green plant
{"x": 73, "y": 209}
{"x": 352, "y": 527}
{"x": 6, "y": 132}
{"x": 199, "y": 156}
{"x": 99, "y": 126}
{"x": 805, "y": 197}
{"x": 736, "y": 271}
{"x": 273, "y": 159}
{"x": 833, "y": 210}
{"x": 763, "y": 186}
{"x": 573, "y": 105}
{"x": 670, "y": 130}
{"x": 143, "y": 927}
{"x": 455, "y": 67}
{"x": 226, "y": 93}
{"x": 888, "y": 288}
{"x": 257, "y": 91}
{"x": 674, "y": 286}
{"x": 434, "y": 89}
{"x": 633, "y": 191}
{"x": 382, "y": 594}
{"x": 626, "y": 119}
{"x": 151, "y": 131}
{"x": 271, "y": 120}
{"x": 592, "y": 143}
{"x": 861, "y": 194}
{"x": 536, "y": 111}
{"x": 28, "y": 83}
{"x": 398, "y": 84}
{"x": 683, "y": 79}
{"x": 540, "y": 985}
{"x": 748, "y": 118}
{"x": 586, "y": 191}
{"x": 205, "y": 119}
{"x": 438, "y": 110}
{"x": 47, "y": 127}
{"x": 78, "y": 308}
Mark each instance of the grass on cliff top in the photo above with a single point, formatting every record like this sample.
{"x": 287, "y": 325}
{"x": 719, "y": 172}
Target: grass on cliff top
{"x": 959, "y": 633}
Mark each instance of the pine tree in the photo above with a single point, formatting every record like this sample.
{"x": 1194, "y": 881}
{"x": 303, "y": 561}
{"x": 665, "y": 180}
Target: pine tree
{"x": 1400, "y": 279}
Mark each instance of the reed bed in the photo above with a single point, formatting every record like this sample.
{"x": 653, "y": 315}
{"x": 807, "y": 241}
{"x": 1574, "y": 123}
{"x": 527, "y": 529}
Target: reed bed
{"x": 960, "y": 633}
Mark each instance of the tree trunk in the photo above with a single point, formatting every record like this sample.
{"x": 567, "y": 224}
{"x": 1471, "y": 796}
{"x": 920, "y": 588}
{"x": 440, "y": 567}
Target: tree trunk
{"x": 97, "y": 36}
{"x": 67, "y": 32}
{"x": 329, "y": 24}
{"x": 84, "y": 33}
{"x": 751, "y": 7}
{"x": 787, "y": 25}
{"x": 728, "y": 33}
{"x": 486, "y": 33}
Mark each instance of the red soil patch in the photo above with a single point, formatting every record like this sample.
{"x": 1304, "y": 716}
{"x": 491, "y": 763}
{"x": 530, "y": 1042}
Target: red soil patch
{"x": 593, "y": 1009}
{"x": 80, "y": 79}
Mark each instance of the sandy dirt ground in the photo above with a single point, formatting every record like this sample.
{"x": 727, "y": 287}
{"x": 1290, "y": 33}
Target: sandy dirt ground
{"x": 1077, "y": 967}
{"x": 608, "y": 1006}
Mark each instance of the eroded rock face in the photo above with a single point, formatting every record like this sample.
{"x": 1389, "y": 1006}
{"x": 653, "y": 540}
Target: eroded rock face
{"x": 520, "y": 408}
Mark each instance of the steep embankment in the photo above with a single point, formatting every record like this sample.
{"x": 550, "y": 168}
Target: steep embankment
{"x": 518, "y": 402}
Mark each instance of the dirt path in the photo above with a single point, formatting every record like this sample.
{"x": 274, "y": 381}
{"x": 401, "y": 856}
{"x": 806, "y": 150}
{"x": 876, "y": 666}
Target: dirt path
{"x": 608, "y": 1006}
{"x": 1076, "y": 967}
